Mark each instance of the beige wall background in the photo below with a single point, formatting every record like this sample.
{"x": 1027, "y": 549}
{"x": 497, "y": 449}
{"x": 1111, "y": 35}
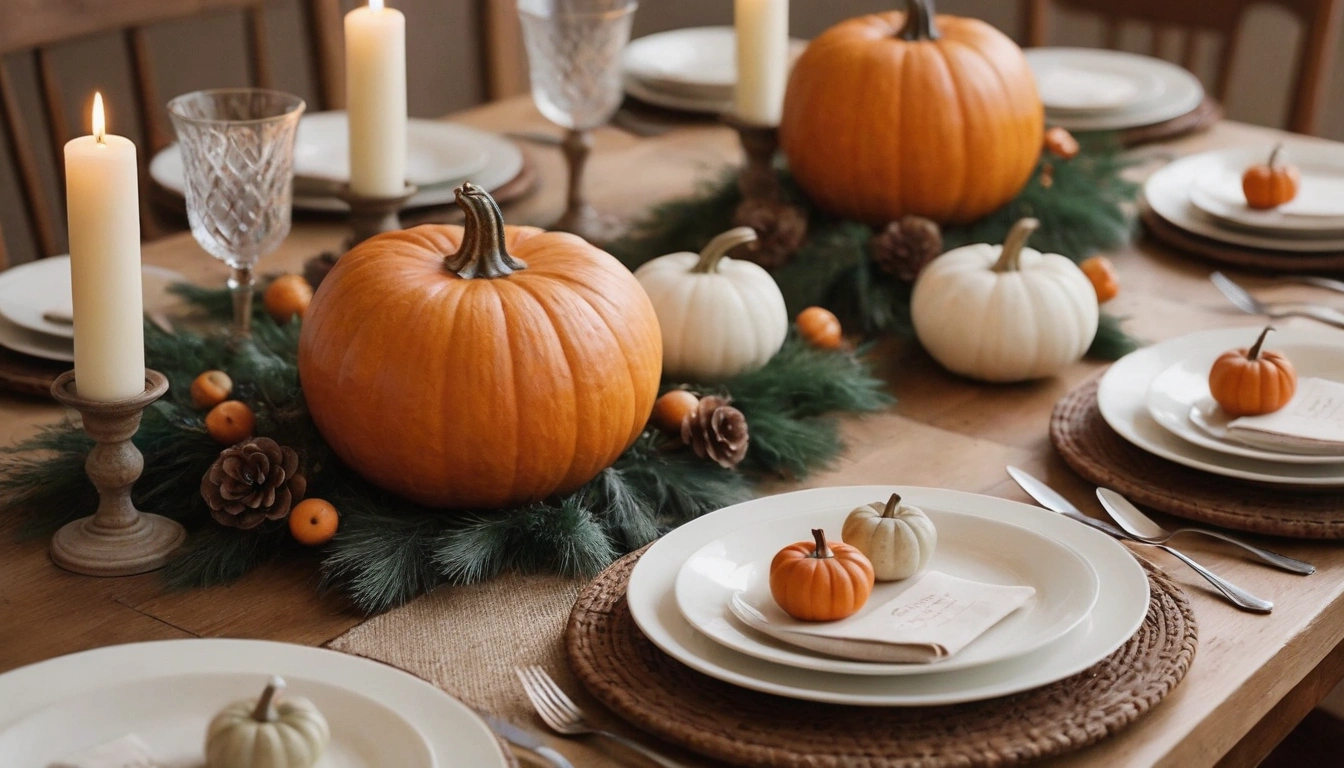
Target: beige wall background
{"x": 446, "y": 55}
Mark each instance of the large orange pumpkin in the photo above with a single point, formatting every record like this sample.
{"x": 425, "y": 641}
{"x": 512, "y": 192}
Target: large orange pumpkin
{"x": 904, "y": 113}
{"x": 482, "y": 365}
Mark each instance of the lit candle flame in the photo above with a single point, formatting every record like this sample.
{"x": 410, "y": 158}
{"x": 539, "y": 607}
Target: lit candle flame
{"x": 99, "y": 122}
{"x": 375, "y": 5}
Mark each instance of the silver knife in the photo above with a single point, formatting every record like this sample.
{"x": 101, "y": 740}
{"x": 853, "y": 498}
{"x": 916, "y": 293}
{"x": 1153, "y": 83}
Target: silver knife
{"x": 527, "y": 740}
{"x": 1048, "y": 498}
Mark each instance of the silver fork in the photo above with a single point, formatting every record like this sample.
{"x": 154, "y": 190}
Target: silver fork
{"x": 1330, "y": 284}
{"x": 563, "y": 716}
{"x": 1243, "y": 300}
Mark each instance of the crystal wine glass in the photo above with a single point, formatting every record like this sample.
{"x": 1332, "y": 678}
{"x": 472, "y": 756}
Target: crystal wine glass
{"x": 574, "y": 58}
{"x": 238, "y": 157}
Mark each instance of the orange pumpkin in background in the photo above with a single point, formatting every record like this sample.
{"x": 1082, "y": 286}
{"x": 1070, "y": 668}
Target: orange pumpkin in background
{"x": 481, "y": 365}
{"x": 906, "y": 113}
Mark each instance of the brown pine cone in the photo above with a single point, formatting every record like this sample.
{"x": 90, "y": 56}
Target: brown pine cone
{"x": 716, "y": 430}
{"x": 253, "y": 481}
{"x": 906, "y": 246}
{"x": 780, "y": 231}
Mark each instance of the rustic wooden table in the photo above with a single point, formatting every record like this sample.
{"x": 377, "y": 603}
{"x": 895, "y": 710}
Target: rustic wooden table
{"x": 1253, "y": 678}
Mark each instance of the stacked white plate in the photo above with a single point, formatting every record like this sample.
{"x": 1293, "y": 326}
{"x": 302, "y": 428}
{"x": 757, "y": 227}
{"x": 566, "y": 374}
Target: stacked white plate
{"x": 1202, "y": 194}
{"x": 1158, "y": 399}
{"x": 166, "y": 693}
{"x": 439, "y": 157}
{"x": 35, "y": 306}
{"x": 1086, "y": 89}
{"x": 1091, "y": 596}
{"x": 691, "y": 70}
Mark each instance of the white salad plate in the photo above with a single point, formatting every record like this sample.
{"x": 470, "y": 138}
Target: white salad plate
{"x": 30, "y": 291}
{"x": 692, "y": 69}
{"x": 1168, "y": 191}
{"x": 440, "y": 156}
{"x": 170, "y": 714}
{"x": 1122, "y": 603}
{"x": 1179, "y": 400}
{"x": 456, "y": 736}
{"x": 1147, "y": 90}
{"x": 29, "y": 342}
{"x": 1122, "y": 398}
{"x": 971, "y": 547}
{"x": 1316, "y": 211}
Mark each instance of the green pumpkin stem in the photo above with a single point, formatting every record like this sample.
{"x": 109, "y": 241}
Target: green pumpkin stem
{"x": 1254, "y": 354}
{"x": 822, "y": 551}
{"x": 265, "y": 709}
{"x": 482, "y": 253}
{"x": 893, "y": 504}
{"x": 919, "y": 21}
{"x": 1011, "y": 254}
{"x": 719, "y": 247}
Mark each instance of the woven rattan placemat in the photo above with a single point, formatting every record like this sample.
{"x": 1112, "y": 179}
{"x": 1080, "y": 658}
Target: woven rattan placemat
{"x": 649, "y": 689}
{"x": 1094, "y": 450}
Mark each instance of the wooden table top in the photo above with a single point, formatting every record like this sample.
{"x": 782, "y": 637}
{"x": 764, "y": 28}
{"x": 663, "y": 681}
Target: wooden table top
{"x": 1252, "y": 679}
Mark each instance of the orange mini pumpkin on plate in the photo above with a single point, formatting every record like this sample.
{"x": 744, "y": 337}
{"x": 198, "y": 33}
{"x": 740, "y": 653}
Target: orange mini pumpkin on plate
{"x": 1251, "y": 382}
{"x": 820, "y": 580}
{"x": 1270, "y": 184}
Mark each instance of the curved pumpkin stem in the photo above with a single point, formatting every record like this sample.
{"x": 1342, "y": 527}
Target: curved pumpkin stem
{"x": 1254, "y": 354}
{"x": 893, "y": 504}
{"x": 265, "y": 710}
{"x": 919, "y": 21}
{"x": 1274, "y": 155}
{"x": 822, "y": 550}
{"x": 1013, "y": 244}
{"x": 719, "y": 247}
{"x": 482, "y": 253}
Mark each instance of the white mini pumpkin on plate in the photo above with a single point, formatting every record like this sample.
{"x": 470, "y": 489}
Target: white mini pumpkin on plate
{"x": 897, "y": 538}
{"x": 267, "y": 733}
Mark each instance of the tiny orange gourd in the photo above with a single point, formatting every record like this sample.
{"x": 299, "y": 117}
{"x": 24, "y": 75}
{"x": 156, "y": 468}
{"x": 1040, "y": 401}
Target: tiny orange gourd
{"x": 313, "y": 522}
{"x": 671, "y": 409}
{"x": 230, "y": 422}
{"x": 1271, "y": 184}
{"x": 210, "y": 389}
{"x": 1105, "y": 281}
{"x": 286, "y": 297}
{"x": 819, "y": 327}
{"x": 820, "y": 581}
{"x": 1252, "y": 382}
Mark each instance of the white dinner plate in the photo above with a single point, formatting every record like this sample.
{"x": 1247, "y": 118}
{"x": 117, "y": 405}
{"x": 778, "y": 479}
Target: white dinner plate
{"x": 1175, "y": 93}
{"x": 171, "y": 714}
{"x": 1316, "y": 211}
{"x": 29, "y": 291}
{"x": 1168, "y": 192}
{"x": 695, "y": 61}
{"x": 1121, "y": 605}
{"x": 1122, "y": 398}
{"x": 678, "y": 101}
{"x": 457, "y": 737}
{"x": 29, "y": 342}
{"x": 969, "y": 546}
{"x": 1179, "y": 400}
{"x": 440, "y": 156}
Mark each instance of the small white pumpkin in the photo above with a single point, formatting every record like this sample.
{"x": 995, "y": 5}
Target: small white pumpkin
{"x": 267, "y": 734}
{"x": 1005, "y": 313}
{"x": 720, "y": 317}
{"x": 897, "y": 538}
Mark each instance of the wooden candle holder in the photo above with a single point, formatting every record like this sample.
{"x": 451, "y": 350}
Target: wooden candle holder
{"x": 118, "y": 539}
{"x": 371, "y": 216}
{"x": 757, "y": 180}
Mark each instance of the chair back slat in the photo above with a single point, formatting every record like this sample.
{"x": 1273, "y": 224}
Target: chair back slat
{"x": 25, "y": 158}
{"x": 54, "y": 106}
{"x": 28, "y": 24}
{"x": 323, "y": 20}
{"x": 1190, "y": 48}
{"x": 259, "y": 62}
{"x": 1110, "y": 35}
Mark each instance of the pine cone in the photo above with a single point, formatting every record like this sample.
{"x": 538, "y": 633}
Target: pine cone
{"x": 780, "y": 230}
{"x": 717, "y": 431}
{"x": 906, "y": 246}
{"x": 253, "y": 481}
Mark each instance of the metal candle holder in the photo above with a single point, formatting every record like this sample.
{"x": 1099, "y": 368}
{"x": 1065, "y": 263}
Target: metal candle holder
{"x": 371, "y": 216}
{"x": 118, "y": 539}
{"x": 757, "y": 180}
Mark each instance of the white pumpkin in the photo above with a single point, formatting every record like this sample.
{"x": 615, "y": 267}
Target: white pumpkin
{"x": 267, "y": 734}
{"x": 720, "y": 316}
{"x": 1005, "y": 313}
{"x": 897, "y": 538}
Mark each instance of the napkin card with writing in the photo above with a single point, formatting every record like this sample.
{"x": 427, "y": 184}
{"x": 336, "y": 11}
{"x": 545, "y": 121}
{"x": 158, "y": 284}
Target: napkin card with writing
{"x": 929, "y": 621}
{"x": 129, "y": 751}
{"x": 1312, "y": 420}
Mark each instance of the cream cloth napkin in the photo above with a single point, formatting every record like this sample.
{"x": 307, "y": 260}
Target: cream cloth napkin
{"x": 1312, "y": 421}
{"x": 929, "y": 621}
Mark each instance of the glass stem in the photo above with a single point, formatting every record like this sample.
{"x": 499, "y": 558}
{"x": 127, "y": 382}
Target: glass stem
{"x": 241, "y": 284}
{"x": 577, "y": 146}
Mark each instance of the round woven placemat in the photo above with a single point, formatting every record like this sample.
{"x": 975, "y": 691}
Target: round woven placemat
{"x": 1235, "y": 255}
{"x": 657, "y": 694}
{"x": 1201, "y": 118}
{"x": 1094, "y": 450}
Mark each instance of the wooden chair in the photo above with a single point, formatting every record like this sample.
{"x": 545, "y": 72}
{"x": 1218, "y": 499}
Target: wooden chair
{"x": 34, "y": 27}
{"x": 1186, "y": 19}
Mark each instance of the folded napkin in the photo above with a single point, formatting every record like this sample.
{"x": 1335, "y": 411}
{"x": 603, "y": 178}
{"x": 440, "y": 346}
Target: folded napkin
{"x": 1313, "y": 419}
{"x": 930, "y": 620}
{"x": 129, "y": 751}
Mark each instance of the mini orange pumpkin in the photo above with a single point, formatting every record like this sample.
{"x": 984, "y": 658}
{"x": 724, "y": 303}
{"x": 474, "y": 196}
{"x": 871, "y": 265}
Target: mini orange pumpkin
{"x": 1251, "y": 382}
{"x": 313, "y": 522}
{"x": 1105, "y": 280}
{"x": 210, "y": 389}
{"x": 479, "y": 366}
{"x": 230, "y": 422}
{"x": 1271, "y": 184}
{"x": 820, "y": 581}
{"x": 672, "y": 408}
{"x": 287, "y": 296}
{"x": 819, "y": 327}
